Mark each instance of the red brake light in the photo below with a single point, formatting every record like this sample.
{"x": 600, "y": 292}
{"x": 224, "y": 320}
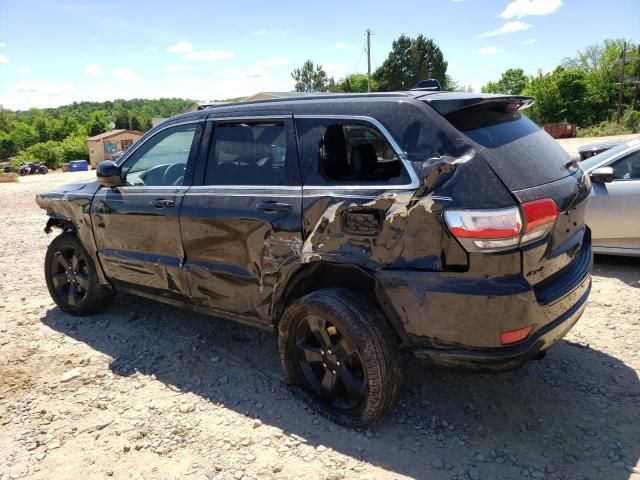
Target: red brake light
{"x": 538, "y": 213}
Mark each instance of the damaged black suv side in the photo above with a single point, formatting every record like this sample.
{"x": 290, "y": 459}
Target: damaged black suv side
{"x": 354, "y": 226}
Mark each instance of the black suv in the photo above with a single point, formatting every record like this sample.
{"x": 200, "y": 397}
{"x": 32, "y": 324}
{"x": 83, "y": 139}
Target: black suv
{"x": 354, "y": 226}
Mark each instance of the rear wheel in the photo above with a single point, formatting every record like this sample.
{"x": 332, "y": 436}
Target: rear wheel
{"x": 71, "y": 277}
{"x": 339, "y": 348}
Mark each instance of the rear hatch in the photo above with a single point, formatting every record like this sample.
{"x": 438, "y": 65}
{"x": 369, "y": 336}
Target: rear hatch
{"x": 532, "y": 166}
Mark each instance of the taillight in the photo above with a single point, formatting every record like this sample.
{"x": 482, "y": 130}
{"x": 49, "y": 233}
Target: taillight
{"x": 500, "y": 229}
{"x": 539, "y": 216}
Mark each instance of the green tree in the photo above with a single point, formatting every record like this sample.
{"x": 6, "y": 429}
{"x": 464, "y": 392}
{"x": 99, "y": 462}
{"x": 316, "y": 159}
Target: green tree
{"x": 410, "y": 61}
{"x": 121, "y": 119}
{"x": 7, "y": 146}
{"x": 98, "y": 123}
{"x": 356, "y": 83}
{"x": 23, "y": 135}
{"x": 311, "y": 78}
{"x": 512, "y": 82}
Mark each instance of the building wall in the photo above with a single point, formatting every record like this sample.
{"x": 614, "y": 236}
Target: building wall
{"x": 97, "y": 147}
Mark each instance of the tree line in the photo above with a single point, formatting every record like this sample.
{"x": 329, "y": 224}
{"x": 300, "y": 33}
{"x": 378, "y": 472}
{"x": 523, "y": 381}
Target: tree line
{"x": 583, "y": 89}
{"x": 58, "y": 135}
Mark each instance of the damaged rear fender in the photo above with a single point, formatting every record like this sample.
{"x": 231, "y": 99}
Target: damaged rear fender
{"x": 309, "y": 277}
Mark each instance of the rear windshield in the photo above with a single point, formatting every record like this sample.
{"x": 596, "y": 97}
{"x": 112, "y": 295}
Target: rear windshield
{"x": 519, "y": 151}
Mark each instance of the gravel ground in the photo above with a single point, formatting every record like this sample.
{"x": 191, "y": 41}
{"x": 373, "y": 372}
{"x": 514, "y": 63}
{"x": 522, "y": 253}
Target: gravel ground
{"x": 145, "y": 390}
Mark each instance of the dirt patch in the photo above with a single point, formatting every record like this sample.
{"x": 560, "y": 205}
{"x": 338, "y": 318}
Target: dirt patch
{"x": 145, "y": 390}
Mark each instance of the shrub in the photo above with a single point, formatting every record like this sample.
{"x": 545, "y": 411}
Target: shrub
{"x": 48, "y": 152}
{"x": 631, "y": 120}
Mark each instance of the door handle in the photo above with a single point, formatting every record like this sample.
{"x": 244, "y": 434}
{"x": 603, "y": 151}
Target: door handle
{"x": 273, "y": 207}
{"x": 163, "y": 203}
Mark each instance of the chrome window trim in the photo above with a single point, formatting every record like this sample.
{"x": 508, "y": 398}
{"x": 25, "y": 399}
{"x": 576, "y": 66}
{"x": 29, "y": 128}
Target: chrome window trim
{"x": 152, "y": 133}
{"x": 249, "y": 187}
{"x": 415, "y": 182}
{"x": 248, "y": 118}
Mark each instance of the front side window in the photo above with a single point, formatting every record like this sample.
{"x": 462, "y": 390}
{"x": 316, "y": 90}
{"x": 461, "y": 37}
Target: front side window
{"x": 627, "y": 168}
{"x": 347, "y": 152}
{"x": 247, "y": 154}
{"x": 161, "y": 160}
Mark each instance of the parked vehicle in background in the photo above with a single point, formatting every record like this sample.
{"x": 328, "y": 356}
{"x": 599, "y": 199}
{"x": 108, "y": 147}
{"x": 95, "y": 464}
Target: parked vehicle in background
{"x": 354, "y": 226}
{"x": 613, "y": 213}
{"x": 31, "y": 167}
{"x": 591, "y": 149}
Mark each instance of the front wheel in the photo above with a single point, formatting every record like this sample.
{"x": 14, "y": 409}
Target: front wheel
{"x": 339, "y": 348}
{"x": 71, "y": 277}
{"x": 43, "y": 170}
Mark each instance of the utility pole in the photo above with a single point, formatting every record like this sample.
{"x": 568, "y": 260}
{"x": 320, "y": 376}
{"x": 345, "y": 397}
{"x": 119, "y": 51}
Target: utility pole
{"x": 621, "y": 91}
{"x": 635, "y": 97}
{"x": 368, "y": 60}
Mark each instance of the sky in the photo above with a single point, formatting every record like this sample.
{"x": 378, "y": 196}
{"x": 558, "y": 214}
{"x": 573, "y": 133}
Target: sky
{"x": 59, "y": 51}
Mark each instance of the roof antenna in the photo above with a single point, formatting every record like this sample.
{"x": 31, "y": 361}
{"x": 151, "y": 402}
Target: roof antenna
{"x": 430, "y": 84}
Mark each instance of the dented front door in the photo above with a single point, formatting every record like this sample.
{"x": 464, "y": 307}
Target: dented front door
{"x": 242, "y": 224}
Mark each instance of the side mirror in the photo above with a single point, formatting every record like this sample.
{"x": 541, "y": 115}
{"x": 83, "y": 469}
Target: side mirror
{"x": 602, "y": 175}
{"x": 108, "y": 174}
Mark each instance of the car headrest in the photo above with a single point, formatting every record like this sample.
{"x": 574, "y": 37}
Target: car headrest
{"x": 363, "y": 159}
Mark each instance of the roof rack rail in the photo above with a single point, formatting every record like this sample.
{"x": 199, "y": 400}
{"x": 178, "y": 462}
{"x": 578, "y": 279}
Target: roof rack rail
{"x": 431, "y": 85}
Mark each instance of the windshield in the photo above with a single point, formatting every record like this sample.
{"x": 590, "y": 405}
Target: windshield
{"x": 589, "y": 163}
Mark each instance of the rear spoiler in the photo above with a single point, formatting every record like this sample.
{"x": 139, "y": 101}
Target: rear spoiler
{"x": 446, "y": 103}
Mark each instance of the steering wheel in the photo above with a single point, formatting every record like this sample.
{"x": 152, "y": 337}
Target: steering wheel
{"x": 174, "y": 174}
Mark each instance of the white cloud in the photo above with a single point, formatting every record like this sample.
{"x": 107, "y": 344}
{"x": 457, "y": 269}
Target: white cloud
{"x": 3, "y": 59}
{"x": 43, "y": 88}
{"x": 125, "y": 75}
{"x": 92, "y": 70}
{"x": 2, "y": 45}
{"x": 509, "y": 27}
{"x": 208, "y": 55}
{"x": 193, "y": 82}
{"x": 274, "y": 62}
{"x": 523, "y": 8}
{"x": 177, "y": 68}
{"x": 529, "y": 41}
{"x": 24, "y": 70}
{"x": 262, "y": 31}
{"x": 335, "y": 70}
{"x": 180, "y": 47}
{"x": 488, "y": 51}
{"x": 341, "y": 45}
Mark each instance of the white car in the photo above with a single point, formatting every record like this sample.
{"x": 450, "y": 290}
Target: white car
{"x": 613, "y": 213}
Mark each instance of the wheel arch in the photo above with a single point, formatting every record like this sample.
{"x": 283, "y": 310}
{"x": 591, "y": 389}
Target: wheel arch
{"x": 318, "y": 275}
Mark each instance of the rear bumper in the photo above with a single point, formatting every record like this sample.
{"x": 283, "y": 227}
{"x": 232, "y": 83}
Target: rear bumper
{"x": 456, "y": 321}
{"x": 509, "y": 357}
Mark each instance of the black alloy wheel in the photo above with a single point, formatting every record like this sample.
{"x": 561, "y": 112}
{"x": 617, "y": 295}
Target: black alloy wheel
{"x": 330, "y": 364}
{"x": 70, "y": 275}
{"x": 72, "y": 278}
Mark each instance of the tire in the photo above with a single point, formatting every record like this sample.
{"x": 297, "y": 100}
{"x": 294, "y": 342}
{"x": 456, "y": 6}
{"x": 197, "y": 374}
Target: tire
{"x": 43, "y": 170}
{"x": 332, "y": 339}
{"x": 71, "y": 277}
{"x": 22, "y": 172}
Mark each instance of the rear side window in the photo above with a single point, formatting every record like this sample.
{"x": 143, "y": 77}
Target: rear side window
{"x": 519, "y": 151}
{"x": 247, "y": 154}
{"x": 346, "y": 152}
